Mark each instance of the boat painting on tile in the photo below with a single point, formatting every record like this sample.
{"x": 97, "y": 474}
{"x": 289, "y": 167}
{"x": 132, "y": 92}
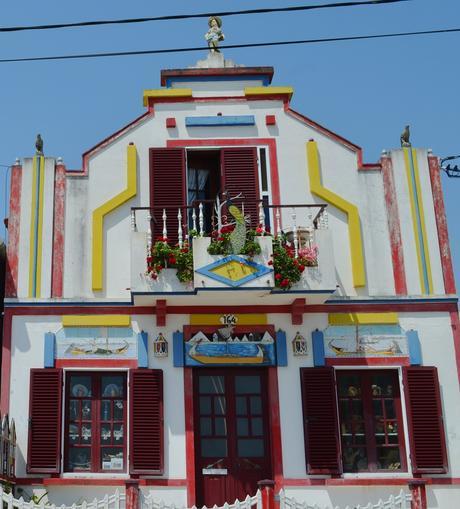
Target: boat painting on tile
{"x": 365, "y": 341}
{"x": 224, "y": 346}
{"x": 96, "y": 343}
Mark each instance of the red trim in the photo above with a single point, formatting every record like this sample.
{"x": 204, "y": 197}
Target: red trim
{"x": 218, "y": 71}
{"x": 270, "y": 119}
{"x": 370, "y": 361}
{"x": 170, "y": 122}
{"x": 394, "y": 229}
{"x": 14, "y": 218}
{"x": 441, "y": 224}
{"x": 63, "y": 481}
{"x": 297, "y": 310}
{"x": 6, "y": 362}
{"x": 275, "y": 427}
{"x": 98, "y": 363}
{"x": 189, "y": 436}
{"x": 57, "y": 276}
{"x": 163, "y": 482}
{"x": 455, "y": 324}
{"x": 160, "y": 311}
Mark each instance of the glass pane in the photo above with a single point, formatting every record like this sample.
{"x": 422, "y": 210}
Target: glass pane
{"x": 247, "y": 384}
{"x": 252, "y": 448}
{"x": 112, "y": 386}
{"x": 219, "y": 405}
{"x": 349, "y": 386}
{"x": 382, "y": 384}
{"x": 118, "y": 410}
{"x": 211, "y": 384}
{"x": 74, "y": 434}
{"x": 74, "y": 409}
{"x": 86, "y": 433}
{"x": 344, "y": 408}
{"x": 256, "y": 405}
{"x": 106, "y": 409}
{"x": 380, "y": 438}
{"x": 79, "y": 458}
{"x": 214, "y": 447}
{"x": 86, "y": 409}
{"x": 241, "y": 406}
{"x": 80, "y": 386}
{"x": 118, "y": 434}
{"x": 220, "y": 426}
{"x": 205, "y": 426}
{"x": 354, "y": 459}
{"x": 112, "y": 458}
{"x": 390, "y": 409}
{"x": 257, "y": 427}
{"x": 388, "y": 458}
{"x": 357, "y": 409}
{"x": 242, "y": 428}
{"x": 106, "y": 434}
{"x": 205, "y": 405}
{"x": 377, "y": 407}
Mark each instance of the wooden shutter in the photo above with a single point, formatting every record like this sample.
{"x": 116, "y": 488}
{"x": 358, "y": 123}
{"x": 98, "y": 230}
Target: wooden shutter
{"x": 319, "y": 401}
{"x": 167, "y": 189}
{"x": 240, "y": 175}
{"x": 44, "y": 451}
{"x": 146, "y": 425}
{"x": 424, "y": 413}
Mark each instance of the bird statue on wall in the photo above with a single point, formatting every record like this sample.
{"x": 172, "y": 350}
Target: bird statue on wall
{"x": 405, "y": 137}
{"x": 39, "y": 145}
{"x": 238, "y": 236}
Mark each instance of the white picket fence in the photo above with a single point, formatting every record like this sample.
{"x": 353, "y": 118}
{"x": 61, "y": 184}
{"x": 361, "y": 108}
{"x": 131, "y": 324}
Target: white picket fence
{"x": 401, "y": 501}
{"x": 149, "y": 502}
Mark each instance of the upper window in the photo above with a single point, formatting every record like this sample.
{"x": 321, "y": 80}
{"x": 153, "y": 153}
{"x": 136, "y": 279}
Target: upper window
{"x": 370, "y": 421}
{"x": 95, "y": 437}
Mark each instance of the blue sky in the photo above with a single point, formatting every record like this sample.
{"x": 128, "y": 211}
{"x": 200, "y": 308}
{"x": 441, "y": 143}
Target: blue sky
{"x": 366, "y": 91}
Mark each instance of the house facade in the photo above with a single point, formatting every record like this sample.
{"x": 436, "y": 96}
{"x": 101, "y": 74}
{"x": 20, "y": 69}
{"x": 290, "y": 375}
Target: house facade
{"x": 226, "y": 293}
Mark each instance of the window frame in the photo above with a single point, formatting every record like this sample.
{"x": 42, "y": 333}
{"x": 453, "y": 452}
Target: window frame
{"x": 96, "y": 446}
{"x": 369, "y": 429}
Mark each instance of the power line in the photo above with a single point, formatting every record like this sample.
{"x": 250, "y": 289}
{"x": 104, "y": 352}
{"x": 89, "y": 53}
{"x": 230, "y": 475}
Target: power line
{"x": 200, "y": 15}
{"x": 229, "y": 46}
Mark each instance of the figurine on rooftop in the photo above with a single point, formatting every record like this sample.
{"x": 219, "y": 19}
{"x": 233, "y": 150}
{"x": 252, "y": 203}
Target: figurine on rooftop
{"x": 214, "y": 34}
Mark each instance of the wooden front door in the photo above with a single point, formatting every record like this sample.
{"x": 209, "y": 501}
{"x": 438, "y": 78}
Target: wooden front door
{"x": 232, "y": 446}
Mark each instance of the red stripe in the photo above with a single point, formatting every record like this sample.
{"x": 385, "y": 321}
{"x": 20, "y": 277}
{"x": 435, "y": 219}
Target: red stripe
{"x": 189, "y": 436}
{"x": 6, "y": 363}
{"x": 275, "y": 424}
{"x": 441, "y": 224}
{"x": 102, "y": 363}
{"x": 369, "y": 361}
{"x": 11, "y": 281}
{"x": 58, "y": 232}
{"x": 397, "y": 255}
{"x": 455, "y": 323}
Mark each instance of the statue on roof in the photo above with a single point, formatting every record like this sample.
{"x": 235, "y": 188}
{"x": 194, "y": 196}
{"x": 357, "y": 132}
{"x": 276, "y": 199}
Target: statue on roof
{"x": 214, "y": 35}
{"x": 39, "y": 145}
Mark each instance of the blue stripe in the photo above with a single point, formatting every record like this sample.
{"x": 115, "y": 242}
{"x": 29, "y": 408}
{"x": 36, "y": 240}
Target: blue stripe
{"x": 142, "y": 350}
{"x": 281, "y": 348}
{"x": 319, "y": 357}
{"x": 250, "y": 77}
{"x": 228, "y": 120}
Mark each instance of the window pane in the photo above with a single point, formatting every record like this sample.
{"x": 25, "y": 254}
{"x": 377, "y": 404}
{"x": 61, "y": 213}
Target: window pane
{"x": 106, "y": 434}
{"x": 211, "y": 384}
{"x": 256, "y": 405}
{"x": 389, "y": 409}
{"x": 257, "y": 427}
{"x": 241, "y": 406}
{"x": 205, "y": 426}
{"x": 354, "y": 459}
{"x": 118, "y": 410}
{"x": 252, "y": 448}
{"x": 388, "y": 458}
{"x": 86, "y": 434}
{"x": 106, "y": 410}
{"x": 79, "y": 458}
{"x": 112, "y": 458}
{"x": 219, "y": 405}
{"x": 118, "y": 434}
{"x": 349, "y": 386}
{"x": 220, "y": 426}
{"x": 74, "y": 434}
{"x": 242, "y": 427}
{"x": 214, "y": 447}
{"x": 247, "y": 384}
{"x": 74, "y": 409}
{"x": 112, "y": 386}
{"x": 382, "y": 384}
{"x": 205, "y": 405}
{"x": 86, "y": 410}
{"x": 357, "y": 408}
{"x": 80, "y": 386}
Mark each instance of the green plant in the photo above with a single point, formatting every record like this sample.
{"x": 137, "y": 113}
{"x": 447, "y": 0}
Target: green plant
{"x": 220, "y": 243}
{"x": 162, "y": 256}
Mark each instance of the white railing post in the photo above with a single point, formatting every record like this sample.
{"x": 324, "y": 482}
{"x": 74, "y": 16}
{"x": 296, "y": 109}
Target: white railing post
{"x": 179, "y": 229}
{"x": 149, "y": 234}
{"x": 9, "y": 500}
{"x": 294, "y": 231}
{"x": 278, "y": 222}
{"x": 194, "y": 219}
{"x": 201, "y": 219}
{"x": 133, "y": 221}
{"x": 165, "y": 230}
{"x": 261, "y": 216}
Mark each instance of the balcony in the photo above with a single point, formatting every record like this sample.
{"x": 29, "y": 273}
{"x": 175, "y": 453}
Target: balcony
{"x": 284, "y": 250}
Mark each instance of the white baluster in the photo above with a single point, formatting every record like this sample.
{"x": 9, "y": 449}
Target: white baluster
{"x": 392, "y": 502}
{"x": 194, "y": 219}
{"x": 259, "y": 499}
{"x": 294, "y": 231}
{"x": 201, "y": 219}
{"x": 9, "y": 500}
{"x": 325, "y": 218}
{"x": 278, "y": 221}
{"x": 133, "y": 221}
{"x": 165, "y": 230}
{"x": 261, "y": 216}
{"x": 1, "y": 494}
{"x": 116, "y": 502}
{"x": 179, "y": 229}
{"x": 282, "y": 499}
{"x": 84, "y": 504}
{"x": 149, "y": 234}
{"x": 106, "y": 501}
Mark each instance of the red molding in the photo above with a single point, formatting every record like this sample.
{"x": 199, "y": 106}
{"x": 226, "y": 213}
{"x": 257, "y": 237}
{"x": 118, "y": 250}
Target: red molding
{"x": 99, "y": 363}
{"x": 297, "y": 310}
{"x": 441, "y": 225}
{"x": 57, "y": 263}
{"x": 270, "y": 119}
{"x": 189, "y": 437}
{"x": 68, "y": 481}
{"x": 455, "y": 324}
{"x": 163, "y": 482}
{"x": 394, "y": 229}
{"x": 6, "y": 363}
{"x": 14, "y": 218}
{"x": 170, "y": 122}
{"x": 374, "y": 481}
{"x": 161, "y": 312}
{"x": 369, "y": 361}
{"x": 275, "y": 427}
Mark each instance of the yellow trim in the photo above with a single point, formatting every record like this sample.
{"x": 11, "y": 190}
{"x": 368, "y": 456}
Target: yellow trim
{"x": 96, "y": 320}
{"x": 268, "y": 91}
{"x": 354, "y": 226}
{"x": 249, "y": 319}
{"x": 166, "y": 93}
{"x": 32, "y": 227}
{"x": 106, "y": 208}
{"x": 38, "y": 283}
{"x": 363, "y": 318}
{"x": 413, "y": 194}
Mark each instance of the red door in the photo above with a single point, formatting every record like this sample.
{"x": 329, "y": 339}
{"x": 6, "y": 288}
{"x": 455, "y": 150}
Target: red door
{"x": 232, "y": 444}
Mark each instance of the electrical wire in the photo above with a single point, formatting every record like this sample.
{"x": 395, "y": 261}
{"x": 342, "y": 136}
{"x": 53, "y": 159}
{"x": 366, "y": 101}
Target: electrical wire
{"x": 229, "y": 46}
{"x": 200, "y": 15}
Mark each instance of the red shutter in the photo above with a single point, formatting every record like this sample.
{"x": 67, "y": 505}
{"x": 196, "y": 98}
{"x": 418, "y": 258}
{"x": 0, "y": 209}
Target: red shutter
{"x": 167, "y": 189}
{"x": 146, "y": 426}
{"x": 424, "y": 412}
{"x": 44, "y": 451}
{"x": 240, "y": 175}
{"x": 319, "y": 401}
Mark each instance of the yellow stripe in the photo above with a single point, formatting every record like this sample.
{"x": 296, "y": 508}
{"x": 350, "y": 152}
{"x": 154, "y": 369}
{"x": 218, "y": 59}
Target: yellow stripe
{"x": 96, "y": 321}
{"x": 165, "y": 93}
{"x": 269, "y": 91}
{"x": 362, "y": 318}
{"x": 422, "y": 221}
{"x": 354, "y": 226}
{"x": 40, "y": 228}
{"x": 32, "y": 227}
{"x": 249, "y": 319}
{"x": 106, "y": 208}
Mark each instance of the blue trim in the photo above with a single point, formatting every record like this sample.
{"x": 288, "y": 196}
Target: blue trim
{"x": 250, "y": 77}
{"x": 178, "y": 350}
{"x": 319, "y": 357}
{"x": 227, "y": 120}
{"x": 312, "y": 292}
{"x": 281, "y": 348}
{"x": 142, "y": 350}
{"x": 415, "y": 349}
{"x": 447, "y": 300}
{"x": 49, "y": 350}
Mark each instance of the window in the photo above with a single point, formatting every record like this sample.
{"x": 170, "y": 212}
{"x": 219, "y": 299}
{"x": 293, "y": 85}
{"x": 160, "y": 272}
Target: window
{"x": 95, "y": 429}
{"x": 370, "y": 421}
